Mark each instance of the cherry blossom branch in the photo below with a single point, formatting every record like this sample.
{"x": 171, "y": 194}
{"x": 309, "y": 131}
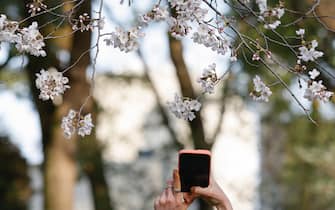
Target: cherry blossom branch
{"x": 218, "y": 33}
{"x": 278, "y": 78}
{"x": 78, "y": 59}
{"x": 48, "y": 10}
{"x": 94, "y": 60}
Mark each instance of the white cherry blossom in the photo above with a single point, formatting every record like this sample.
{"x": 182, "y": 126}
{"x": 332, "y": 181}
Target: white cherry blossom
{"x": 313, "y": 74}
{"x": 85, "y": 126}
{"x": 206, "y": 36}
{"x": 8, "y": 30}
{"x": 317, "y": 91}
{"x": 51, "y": 83}
{"x": 73, "y": 123}
{"x": 300, "y": 32}
{"x": 178, "y": 28}
{"x": 124, "y": 40}
{"x": 309, "y": 54}
{"x": 156, "y": 14}
{"x": 184, "y": 108}
{"x": 270, "y": 16}
{"x": 261, "y": 91}
{"x": 208, "y": 79}
{"x": 272, "y": 25}
{"x": 278, "y": 12}
{"x": 31, "y": 41}
{"x": 187, "y": 11}
{"x": 68, "y": 124}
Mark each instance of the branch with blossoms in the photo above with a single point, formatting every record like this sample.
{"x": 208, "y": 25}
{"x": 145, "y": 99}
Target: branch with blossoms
{"x": 201, "y": 21}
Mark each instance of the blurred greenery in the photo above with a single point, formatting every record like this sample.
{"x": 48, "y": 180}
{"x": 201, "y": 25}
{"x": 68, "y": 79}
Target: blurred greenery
{"x": 297, "y": 154}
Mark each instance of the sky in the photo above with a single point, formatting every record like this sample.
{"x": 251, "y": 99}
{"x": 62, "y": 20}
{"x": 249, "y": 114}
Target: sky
{"x": 19, "y": 119}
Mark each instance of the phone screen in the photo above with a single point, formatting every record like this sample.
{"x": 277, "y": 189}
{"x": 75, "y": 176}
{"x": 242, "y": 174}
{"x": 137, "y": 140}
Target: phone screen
{"x": 193, "y": 170}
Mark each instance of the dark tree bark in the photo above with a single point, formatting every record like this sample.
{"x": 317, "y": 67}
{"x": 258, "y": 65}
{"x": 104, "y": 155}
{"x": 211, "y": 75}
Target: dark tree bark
{"x": 60, "y": 164}
{"x": 90, "y": 151}
{"x": 197, "y": 128}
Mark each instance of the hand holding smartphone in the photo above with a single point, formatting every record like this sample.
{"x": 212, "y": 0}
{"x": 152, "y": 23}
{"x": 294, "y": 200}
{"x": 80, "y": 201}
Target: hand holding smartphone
{"x": 194, "y": 168}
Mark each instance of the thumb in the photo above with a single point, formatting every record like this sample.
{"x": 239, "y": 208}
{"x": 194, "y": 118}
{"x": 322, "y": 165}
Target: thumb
{"x": 199, "y": 191}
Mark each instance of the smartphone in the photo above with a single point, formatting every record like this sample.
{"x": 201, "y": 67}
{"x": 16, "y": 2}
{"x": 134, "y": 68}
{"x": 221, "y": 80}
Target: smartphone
{"x": 194, "y": 168}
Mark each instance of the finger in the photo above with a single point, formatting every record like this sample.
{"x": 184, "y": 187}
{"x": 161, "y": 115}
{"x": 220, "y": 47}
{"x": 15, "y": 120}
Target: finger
{"x": 156, "y": 203}
{"x": 200, "y": 191}
{"x": 189, "y": 197}
{"x": 169, "y": 183}
{"x": 169, "y": 195}
{"x": 176, "y": 180}
{"x": 177, "y": 186}
{"x": 162, "y": 199}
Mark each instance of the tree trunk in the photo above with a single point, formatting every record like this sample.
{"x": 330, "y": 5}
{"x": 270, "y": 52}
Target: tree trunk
{"x": 90, "y": 156}
{"x": 90, "y": 151}
{"x": 60, "y": 166}
{"x": 197, "y": 129}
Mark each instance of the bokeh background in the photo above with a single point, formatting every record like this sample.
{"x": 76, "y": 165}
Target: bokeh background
{"x": 266, "y": 156}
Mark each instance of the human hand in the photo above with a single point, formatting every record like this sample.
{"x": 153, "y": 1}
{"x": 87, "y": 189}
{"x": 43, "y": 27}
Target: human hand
{"x": 171, "y": 198}
{"x": 214, "y": 195}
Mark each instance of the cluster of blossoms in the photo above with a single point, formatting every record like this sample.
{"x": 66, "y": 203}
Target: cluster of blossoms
{"x": 315, "y": 89}
{"x": 86, "y": 23}
{"x": 51, "y": 83}
{"x": 271, "y": 16}
{"x": 35, "y": 7}
{"x": 26, "y": 40}
{"x": 186, "y": 12}
{"x": 184, "y": 108}
{"x": 8, "y": 30}
{"x": 76, "y": 123}
{"x": 127, "y": 40}
{"x": 208, "y": 79}
{"x": 156, "y": 14}
{"x": 124, "y": 40}
{"x": 31, "y": 41}
{"x": 261, "y": 92}
{"x": 206, "y": 36}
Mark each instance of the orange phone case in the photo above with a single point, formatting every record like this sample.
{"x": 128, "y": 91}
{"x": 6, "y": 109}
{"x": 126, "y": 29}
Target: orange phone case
{"x": 195, "y": 151}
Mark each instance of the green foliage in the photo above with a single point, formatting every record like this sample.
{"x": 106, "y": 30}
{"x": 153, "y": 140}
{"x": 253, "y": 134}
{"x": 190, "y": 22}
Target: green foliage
{"x": 308, "y": 175}
{"x": 306, "y": 179}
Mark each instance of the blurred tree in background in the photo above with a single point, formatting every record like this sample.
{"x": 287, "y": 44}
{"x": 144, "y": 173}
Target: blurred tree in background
{"x": 296, "y": 154}
{"x": 60, "y": 155}
{"x": 15, "y": 190}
